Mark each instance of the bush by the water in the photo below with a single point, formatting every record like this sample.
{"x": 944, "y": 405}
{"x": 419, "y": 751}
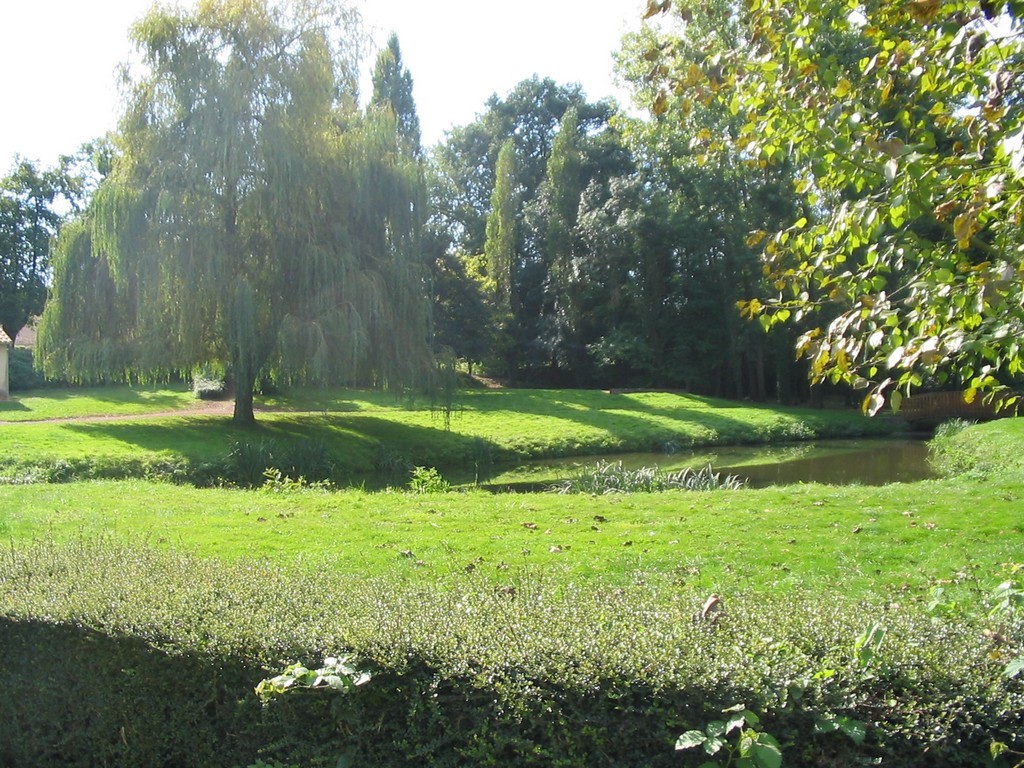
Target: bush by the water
{"x": 128, "y": 656}
{"x": 613, "y": 477}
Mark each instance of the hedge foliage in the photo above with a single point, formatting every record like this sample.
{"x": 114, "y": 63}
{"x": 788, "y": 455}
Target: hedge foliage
{"x": 22, "y": 373}
{"x": 128, "y": 656}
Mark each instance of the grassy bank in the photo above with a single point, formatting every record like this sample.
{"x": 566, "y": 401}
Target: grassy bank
{"x": 358, "y": 432}
{"x": 981, "y": 451}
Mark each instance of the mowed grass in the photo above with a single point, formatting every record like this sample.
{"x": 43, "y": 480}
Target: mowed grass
{"x": 851, "y": 540}
{"x": 358, "y": 427}
{"x": 899, "y": 538}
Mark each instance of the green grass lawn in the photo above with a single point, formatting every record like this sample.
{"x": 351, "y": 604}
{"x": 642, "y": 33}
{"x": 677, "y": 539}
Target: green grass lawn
{"x": 860, "y": 540}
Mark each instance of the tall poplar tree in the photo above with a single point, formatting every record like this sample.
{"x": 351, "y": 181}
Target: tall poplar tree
{"x": 500, "y": 246}
{"x": 562, "y": 189}
{"x": 253, "y": 217}
{"x": 392, "y": 87}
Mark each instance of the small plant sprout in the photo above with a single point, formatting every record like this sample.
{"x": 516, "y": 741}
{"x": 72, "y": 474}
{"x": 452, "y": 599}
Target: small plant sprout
{"x": 1008, "y": 608}
{"x": 751, "y": 749}
{"x": 339, "y": 673}
{"x": 866, "y": 648}
{"x": 428, "y": 480}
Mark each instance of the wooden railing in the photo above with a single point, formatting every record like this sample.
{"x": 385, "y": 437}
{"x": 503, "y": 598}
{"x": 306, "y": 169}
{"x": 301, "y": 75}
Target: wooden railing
{"x": 938, "y": 406}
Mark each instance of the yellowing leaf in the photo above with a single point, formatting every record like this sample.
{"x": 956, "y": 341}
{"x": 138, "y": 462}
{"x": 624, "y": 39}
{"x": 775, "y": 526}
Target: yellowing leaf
{"x": 756, "y": 238}
{"x": 964, "y": 227}
{"x": 654, "y": 8}
{"x": 660, "y": 105}
{"x": 944, "y": 209}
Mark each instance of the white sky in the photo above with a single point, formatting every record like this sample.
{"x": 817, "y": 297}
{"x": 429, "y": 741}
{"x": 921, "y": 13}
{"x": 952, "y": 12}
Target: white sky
{"x": 58, "y": 59}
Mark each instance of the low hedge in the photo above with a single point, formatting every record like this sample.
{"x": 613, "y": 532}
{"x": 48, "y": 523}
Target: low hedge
{"x": 128, "y": 656}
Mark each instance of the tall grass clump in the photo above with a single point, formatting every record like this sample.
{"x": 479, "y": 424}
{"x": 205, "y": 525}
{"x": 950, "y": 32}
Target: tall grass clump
{"x": 607, "y": 477}
{"x": 951, "y": 451}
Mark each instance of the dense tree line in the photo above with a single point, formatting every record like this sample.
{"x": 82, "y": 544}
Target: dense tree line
{"x": 599, "y": 251}
{"x": 829, "y": 184}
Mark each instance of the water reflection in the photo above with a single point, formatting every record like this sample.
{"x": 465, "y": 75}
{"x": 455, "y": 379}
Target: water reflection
{"x": 864, "y": 464}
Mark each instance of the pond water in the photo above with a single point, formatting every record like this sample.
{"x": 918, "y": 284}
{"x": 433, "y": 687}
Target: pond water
{"x": 836, "y": 462}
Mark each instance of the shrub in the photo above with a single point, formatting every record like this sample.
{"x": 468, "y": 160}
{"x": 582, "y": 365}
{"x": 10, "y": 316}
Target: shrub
{"x": 21, "y": 371}
{"x": 125, "y": 656}
{"x": 428, "y": 480}
{"x": 951, "y": 451}
{"x": 209, "y": 383}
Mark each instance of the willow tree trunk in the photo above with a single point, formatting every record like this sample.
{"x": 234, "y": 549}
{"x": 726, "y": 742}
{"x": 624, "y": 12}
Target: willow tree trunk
{"x": 243, "y": 413}
{"x": 243, "y": 336}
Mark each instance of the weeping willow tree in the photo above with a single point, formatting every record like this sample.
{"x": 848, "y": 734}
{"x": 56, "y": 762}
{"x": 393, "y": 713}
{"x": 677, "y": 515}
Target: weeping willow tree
{"x": 254, "y": 218}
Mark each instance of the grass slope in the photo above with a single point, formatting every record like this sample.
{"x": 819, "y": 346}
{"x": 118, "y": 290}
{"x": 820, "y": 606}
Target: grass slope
{"x": 360, "y": 428}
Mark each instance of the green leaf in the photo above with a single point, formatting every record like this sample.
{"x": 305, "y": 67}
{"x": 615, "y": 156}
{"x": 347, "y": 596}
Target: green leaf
{"x": 896, "y": 401}
{"x": 891, "y": 167}
{"x": 736, "y": 721}
{"x": 1015, "y": 667}
{"x": 825, "y": 724}
{"x": 690, "y": 739}
{"x": 895, "y": 357}
{"x": 716, "y": 728}
{"x": 714, "y": 744}
{"x": 337, "y": 683}
{"x": 766, "y": 751}
{"x": 873, "y": 403}
{"x": 855, "y": 729}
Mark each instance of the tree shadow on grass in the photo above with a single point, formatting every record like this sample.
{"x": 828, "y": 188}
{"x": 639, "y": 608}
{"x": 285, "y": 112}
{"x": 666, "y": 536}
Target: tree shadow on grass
{"x": 575, "y": 423}
{"x": 12, "y": 406}
{"x": 645, "y": 421}
{"x": 358, "y": 445}
{"x": 632, "y": 425}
